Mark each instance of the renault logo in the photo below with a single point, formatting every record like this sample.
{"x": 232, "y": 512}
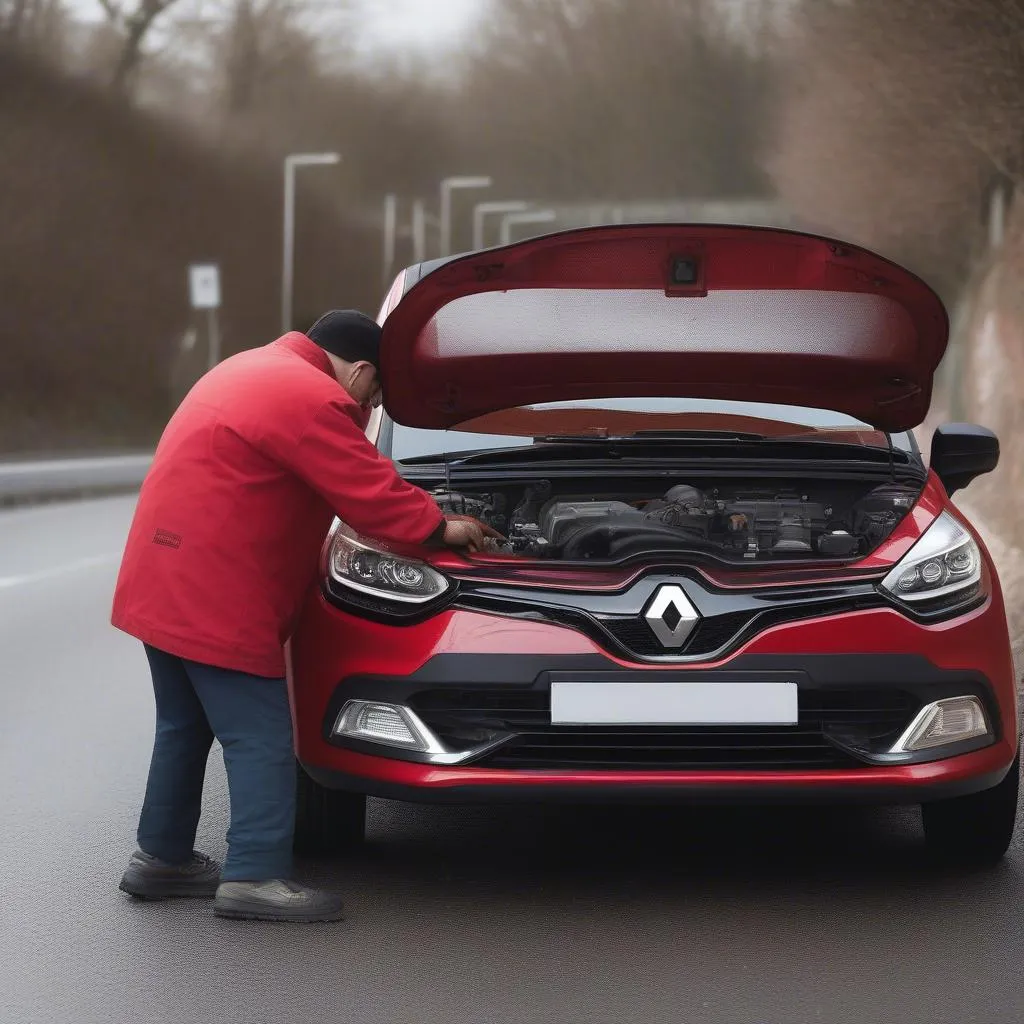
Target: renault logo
{"x": 671, "y": 616}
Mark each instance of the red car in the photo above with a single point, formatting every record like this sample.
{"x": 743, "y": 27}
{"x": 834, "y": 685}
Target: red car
{"x": 729, "y": 574}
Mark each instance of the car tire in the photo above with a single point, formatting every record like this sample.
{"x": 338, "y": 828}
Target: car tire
{"x": 975, "y": 830}
{"x": 327, "y": 821}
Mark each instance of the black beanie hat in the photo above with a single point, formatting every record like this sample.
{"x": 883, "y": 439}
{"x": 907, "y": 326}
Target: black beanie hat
{"x": 349, "y": 335}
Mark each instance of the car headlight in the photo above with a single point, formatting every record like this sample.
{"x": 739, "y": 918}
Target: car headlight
{"x": 366, "y": 570}
{"x": 942, "y": 571}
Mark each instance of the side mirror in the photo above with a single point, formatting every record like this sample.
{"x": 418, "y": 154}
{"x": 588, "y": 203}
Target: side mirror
{"x": 961, "y": 452}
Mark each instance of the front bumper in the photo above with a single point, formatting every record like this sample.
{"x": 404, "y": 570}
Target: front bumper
{"x": 815, "y": 760}
{"x": 336, "y": 658}
{"x": 911, "y": 784}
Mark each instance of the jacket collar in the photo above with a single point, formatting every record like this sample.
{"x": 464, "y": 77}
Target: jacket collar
{"x": 310, "y": 351}
{"x": 297, "y": 343}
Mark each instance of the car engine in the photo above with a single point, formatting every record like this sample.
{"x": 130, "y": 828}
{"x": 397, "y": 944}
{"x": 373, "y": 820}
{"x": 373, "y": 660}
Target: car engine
{"x": 741, "y": 523}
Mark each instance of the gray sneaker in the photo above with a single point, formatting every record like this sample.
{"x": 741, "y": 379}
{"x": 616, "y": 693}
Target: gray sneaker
{"x": 276, "y": 900}
{"x": 148, "y": 878}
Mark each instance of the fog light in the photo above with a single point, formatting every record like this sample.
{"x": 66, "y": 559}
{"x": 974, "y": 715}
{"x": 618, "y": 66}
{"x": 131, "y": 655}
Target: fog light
{"x": 381, "y": 723}
{"x": 951, "y": 720}
{"x": 398, "y": 726}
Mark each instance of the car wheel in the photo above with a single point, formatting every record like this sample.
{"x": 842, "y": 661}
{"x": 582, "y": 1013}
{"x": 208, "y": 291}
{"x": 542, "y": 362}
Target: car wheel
{"x": 327, "y": 821}
{"x": 975, "y": 830}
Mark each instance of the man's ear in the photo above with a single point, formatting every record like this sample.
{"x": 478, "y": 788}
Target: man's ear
{"x": 352, "y": 372}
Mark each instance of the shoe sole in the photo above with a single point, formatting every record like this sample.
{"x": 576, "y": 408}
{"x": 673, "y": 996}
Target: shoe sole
{"x": 248, "y": 912}
{"x": 154, "y": 889}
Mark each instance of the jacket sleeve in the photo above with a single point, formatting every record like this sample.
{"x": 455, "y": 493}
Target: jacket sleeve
{"x": 337, "y": 460}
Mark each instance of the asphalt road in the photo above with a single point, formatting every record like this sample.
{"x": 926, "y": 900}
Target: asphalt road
{"x": 457, "y": 914}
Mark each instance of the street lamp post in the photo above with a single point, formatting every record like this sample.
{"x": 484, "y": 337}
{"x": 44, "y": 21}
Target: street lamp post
{"x": 482, "y": 210}
{"x": 511, "y": 220}
{"x": 419, "y": 231}
{"x": 448, "y": 185}
{"x": 390, "y": 237}
{"x": 291, "y": 162}
{"x": 421, "y": 220}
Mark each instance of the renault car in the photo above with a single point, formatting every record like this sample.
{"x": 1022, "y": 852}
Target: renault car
{"x": 727, "y": 571}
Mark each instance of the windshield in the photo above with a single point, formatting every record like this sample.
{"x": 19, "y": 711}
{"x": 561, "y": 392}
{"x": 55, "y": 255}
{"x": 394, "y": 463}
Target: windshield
{"x": 630, "y": 417}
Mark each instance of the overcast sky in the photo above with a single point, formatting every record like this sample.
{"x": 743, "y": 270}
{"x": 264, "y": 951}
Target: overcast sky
{"x": 390, "y": 24}
{"x": 417, "y": 23}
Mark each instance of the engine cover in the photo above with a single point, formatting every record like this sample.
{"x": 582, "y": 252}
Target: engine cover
{"x": 560, "y": 519}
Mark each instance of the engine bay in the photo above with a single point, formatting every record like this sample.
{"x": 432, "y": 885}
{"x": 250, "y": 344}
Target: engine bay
{"x": 735, "y": 520}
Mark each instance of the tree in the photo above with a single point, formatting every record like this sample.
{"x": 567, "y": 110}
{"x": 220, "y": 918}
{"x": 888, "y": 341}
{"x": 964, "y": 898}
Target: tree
{"x": 133, "y": 19}
{"x": 897, "y": 117}
{"x": 103, "y": 207}
{"x": 617, "y": 98}
{"x": 263, "y": 46}
{"x": 12, "y": 18}
{"x": 36, "y": 25}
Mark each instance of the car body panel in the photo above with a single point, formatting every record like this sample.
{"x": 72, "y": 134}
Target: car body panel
{"x": 772, "y": 316}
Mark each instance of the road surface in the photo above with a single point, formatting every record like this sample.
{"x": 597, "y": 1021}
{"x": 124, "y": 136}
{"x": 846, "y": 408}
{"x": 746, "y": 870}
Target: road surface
{"x": 457, "y": 915}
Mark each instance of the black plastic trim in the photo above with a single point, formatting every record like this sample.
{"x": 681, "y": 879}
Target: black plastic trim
{"x": 911, "y": 673}
{"x": 837, "y": 671}
{"x": 595, "y": 613}
{"x": 391, "y": 613}
{"x": 503, "y": 473}
{"x": 961, "y": 452}
{"x": 926, "y": 614}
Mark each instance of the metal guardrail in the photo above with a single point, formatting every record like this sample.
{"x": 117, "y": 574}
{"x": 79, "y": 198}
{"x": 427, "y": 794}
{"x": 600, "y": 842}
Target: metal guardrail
{"x": 56, "y": 477}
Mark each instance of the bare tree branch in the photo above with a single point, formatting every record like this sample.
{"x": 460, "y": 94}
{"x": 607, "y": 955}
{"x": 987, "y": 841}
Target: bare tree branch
{"x": 134, "y": 24}
{"x": 898, "y": 117}
{"x": 113, "y": 11}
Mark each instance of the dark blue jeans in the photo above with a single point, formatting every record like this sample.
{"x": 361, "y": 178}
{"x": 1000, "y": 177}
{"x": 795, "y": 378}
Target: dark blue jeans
{"x": 251, "y": 719}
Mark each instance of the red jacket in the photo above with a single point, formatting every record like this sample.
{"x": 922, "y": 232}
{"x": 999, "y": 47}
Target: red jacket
{"x": 248, "y": 475}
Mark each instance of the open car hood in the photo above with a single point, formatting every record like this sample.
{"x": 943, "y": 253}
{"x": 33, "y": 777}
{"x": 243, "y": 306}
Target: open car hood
{"x": 701, "y": 311}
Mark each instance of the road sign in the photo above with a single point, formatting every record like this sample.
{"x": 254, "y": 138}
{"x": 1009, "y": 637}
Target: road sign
{"x": 204, "y": 285}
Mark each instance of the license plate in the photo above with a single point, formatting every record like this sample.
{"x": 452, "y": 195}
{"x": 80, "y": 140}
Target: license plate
{"x": 725, "y": 703}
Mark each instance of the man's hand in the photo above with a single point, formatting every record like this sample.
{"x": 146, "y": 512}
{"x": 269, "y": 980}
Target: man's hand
{"x": 467, "y": 532}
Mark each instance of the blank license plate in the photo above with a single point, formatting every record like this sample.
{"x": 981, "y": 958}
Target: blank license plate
{"x": 674, "y": 703}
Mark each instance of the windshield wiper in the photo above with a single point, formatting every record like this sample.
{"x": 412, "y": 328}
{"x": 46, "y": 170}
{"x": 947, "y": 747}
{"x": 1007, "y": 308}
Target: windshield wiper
{"x": 440, "y": 458}
{"x": 729, "y": 435}
{"x": 652, "y": 435}
{"x": 567, "y": 443}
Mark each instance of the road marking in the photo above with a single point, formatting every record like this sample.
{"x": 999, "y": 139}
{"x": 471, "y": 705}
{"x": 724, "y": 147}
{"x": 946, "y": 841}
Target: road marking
{"x": 59, "y": 570}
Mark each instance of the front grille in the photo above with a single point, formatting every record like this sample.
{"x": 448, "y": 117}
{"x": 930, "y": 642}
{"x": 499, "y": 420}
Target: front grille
{"x": 617, "y": 623}
{"x": 710, "y": 634}
{"x": 708, "y": 748}
{"x": 830, "y": 721}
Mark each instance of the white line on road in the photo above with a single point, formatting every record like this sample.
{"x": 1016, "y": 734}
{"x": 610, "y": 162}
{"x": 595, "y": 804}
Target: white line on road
{"x": 63, "y": 465}
{"x": 58, "y": 570}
